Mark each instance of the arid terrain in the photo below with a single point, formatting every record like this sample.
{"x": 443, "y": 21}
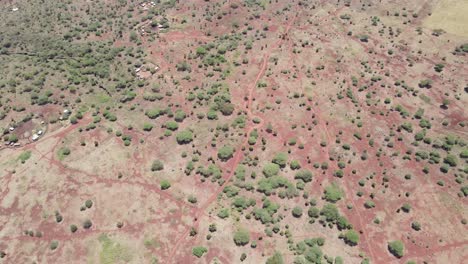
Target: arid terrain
{"x": 235, "y": 131}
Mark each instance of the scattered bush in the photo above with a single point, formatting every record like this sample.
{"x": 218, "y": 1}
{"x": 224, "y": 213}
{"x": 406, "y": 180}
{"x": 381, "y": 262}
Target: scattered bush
{"x": 199, "y": 251}
{"x": 305, "y": 175}
{"x": 165, "y": 184}
{"x": 297, "y": 212}
{"x": 241, "y": 237}
{"x": 89, "y": 203}
{"x": 225, "y": 153}
{"x": 157, "y": 165}
{"x": 184, "y": 137}
{"x": 87, "y": 224}
{"x": 277, "y": 258}
{"x": 351, "y": 237}
{"x": 333, "y": 193}
{"x": 397, "y": 248}
{"x": 271, "y": 169}
{"x": 281, "y": 159}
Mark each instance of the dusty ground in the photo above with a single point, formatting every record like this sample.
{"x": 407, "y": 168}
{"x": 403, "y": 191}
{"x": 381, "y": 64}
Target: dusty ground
{"x": 335, "y": 101}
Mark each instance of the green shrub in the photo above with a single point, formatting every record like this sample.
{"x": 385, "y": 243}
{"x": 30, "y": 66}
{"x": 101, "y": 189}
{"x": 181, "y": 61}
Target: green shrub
{"x": 157, "y": 165}
{"x": 314, "y": 255}
{"x": 73, "y": 228}
{"x": 225, "y": 153}
{"x": 180, "y": 116}
{"x": 23, "y": 157}
{"x": 165, "y": 184}
{"x": 171, "y": 125}
{"x": 333, "y": 193}
{"x": 87, "y": 224}
{"x": 351, "y": 237}
{"x": 397, "y": 248}
{"x": 88, "y": 203}
{"x": 313, "y": 212}
{"x": 305, "y": 175}
{"x": 330, "y": 212}
{"x": 295, "y": 165}
{"x": 223, "y": 213}
{"x": 297, "y": 211}
{"x": 63, "y": 152}
{"x": 54, "y": 244}
{"x": 154, "y": 113}
{"x": 416, "y": 226}
{"x": 281, "y": 159}
{"x": 406, "y": 208}
{"x": 271, "y": 169}
{"x": 241, "y": 237}
{"x": 199, "y": 251}
{"x": 451, "y": 160}
{"x": 184, "y": 137}
{"x": 277, "y": 258}
{"x": 147, "y": 127}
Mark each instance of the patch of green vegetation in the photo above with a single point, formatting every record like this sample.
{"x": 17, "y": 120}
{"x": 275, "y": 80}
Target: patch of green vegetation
{"x": 397, "y": 248}
{"x": 199, "y": 251}
{"x": 184, "y": 137}
{"x": 151, "y": 243}
{"x": 165, "y": 184}
{"x": 333, "y": 193}
{"x": 241, "y": 237}
{"x": 277, "y": 258}
{"x": 23, "y": 157}
{"x": 63, "y": 152}
{"x": 225, "y": 153}
{"x": 113, "y": 252}
{"x": 351, "y": 237}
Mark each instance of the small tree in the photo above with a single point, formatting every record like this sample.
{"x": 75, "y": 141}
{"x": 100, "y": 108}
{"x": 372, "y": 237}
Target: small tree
{"x": 305, "y": 175}
{"x": 397, "y": 248}
{"x": 54, "y": 244}
{"x": 281, "y": 159}
{"x": 451, "y": 160}
{"x": 225, "y": 153}
{"x": 172, "y": 125}
{"x": 271, "y": 169}
{"x": 406, "y": 208}
{"x": 165, "y": 184}
{"x": 295, "y": 165}
{"x": 351, "y": 237}
{"x": 226, "y": 109}
{"x": 425, "y": 83}
{"x": 223, "y": 213}
{"x": 73, "y": 228}
{"x": 199, "y": 251}
{"x": 88, "y": 203}
{"x": 147, "y": 126}
{"x": 179, "y": 115}
{"x": 87, "y": 224}
{"x": 157, "y": 165}
{"x": 297, "y": 212}
{"x": 439, "y": 67}
{"x": 333, "y": 193}
{"x": 277, "y": 258}
{"x": 416, "y": 226}
{"x": 330, "y": 212}
{"x": 184, "y": 137}
{"x": 241, "y": 237}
